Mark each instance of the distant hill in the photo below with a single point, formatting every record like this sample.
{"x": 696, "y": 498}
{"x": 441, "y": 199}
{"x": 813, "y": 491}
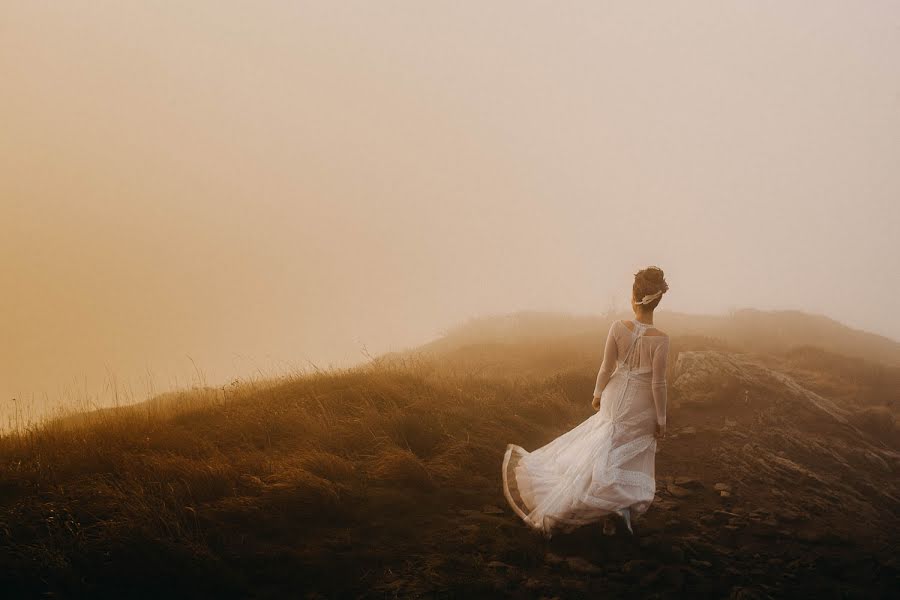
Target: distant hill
{"x": 743, "y": 330}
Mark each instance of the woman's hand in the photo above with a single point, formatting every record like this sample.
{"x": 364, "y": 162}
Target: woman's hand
{"x": 660, "y": 431}
{"x": 596, "y": 403}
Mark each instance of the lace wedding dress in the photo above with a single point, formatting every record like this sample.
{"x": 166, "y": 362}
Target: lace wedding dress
{"x": 607, "y": 463}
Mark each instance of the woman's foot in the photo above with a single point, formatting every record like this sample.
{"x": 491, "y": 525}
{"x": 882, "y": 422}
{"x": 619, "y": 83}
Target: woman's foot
{"x": 625, "y": 513}
{"x": 609, "y": 526}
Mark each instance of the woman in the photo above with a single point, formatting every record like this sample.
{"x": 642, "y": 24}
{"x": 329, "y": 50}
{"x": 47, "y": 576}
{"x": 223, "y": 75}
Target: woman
{"x": 605, "y": 465}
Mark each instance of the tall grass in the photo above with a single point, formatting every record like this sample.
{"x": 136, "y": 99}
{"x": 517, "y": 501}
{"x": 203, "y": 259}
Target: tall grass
{"x": 186, "y": 476}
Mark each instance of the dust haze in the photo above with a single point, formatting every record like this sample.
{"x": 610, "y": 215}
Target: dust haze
{"x": 194, "y": 193}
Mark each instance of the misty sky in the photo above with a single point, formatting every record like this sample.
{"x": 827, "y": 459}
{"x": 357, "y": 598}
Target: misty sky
{"x": 258, "y": 184}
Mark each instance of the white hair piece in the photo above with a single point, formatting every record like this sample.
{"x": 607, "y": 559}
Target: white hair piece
{"x": 650, "y": 298}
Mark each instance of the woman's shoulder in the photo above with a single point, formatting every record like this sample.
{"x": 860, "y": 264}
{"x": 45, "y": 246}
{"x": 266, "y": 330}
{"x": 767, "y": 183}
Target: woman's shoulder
{"x": 651, "y": 332}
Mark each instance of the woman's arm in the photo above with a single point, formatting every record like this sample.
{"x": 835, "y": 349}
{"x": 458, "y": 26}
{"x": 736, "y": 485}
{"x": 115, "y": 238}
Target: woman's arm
{"x": 658, "y": 385}
{"x": 610, "y": 354}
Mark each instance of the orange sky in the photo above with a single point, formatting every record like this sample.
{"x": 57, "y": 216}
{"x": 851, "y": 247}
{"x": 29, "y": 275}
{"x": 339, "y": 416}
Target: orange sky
{"x": 255, "y": 185}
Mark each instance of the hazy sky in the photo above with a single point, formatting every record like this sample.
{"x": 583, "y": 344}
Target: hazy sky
{"x": 255, "y": 184}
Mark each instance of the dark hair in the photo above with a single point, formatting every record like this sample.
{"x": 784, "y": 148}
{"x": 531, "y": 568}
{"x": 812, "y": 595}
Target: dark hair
{"x": 649, "y": 281}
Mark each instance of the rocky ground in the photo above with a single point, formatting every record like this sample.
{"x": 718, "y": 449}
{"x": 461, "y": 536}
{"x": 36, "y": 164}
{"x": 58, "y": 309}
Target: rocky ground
{"x": 387, "y": 484}
{"x": 765, "y": 490}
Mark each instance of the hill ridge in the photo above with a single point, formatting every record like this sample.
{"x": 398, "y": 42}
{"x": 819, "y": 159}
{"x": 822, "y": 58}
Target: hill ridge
{"x": 745, "y": 328}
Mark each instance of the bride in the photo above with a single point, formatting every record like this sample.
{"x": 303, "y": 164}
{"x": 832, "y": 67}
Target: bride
{"x": 606, "y": 465}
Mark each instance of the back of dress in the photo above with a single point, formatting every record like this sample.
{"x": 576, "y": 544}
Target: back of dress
{"x": 636, "y": 355}
{"x": 606, "y": 464}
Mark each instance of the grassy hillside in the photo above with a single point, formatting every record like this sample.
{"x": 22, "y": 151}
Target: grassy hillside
{"x": 384, "y": 481}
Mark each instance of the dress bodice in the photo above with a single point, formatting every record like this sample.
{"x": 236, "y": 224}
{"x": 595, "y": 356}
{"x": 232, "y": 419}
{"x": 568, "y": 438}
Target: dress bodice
{"x": 630, "y": 361}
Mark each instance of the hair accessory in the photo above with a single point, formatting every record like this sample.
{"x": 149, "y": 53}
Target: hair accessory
{"x": 650, "y": 298}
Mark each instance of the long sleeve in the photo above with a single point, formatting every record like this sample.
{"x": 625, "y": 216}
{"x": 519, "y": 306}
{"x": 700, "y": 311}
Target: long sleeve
{"x": 658, "y": 385}
{"x": 610, "y": 354}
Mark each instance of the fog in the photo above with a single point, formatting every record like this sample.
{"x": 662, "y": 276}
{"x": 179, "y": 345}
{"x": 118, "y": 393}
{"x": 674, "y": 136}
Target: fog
{"x": 201, "y": 191}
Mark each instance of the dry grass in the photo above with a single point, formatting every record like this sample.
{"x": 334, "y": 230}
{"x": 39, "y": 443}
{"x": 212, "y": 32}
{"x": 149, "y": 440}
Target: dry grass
{"x": 323, "y": 482}
{"x": 184, "y": 481}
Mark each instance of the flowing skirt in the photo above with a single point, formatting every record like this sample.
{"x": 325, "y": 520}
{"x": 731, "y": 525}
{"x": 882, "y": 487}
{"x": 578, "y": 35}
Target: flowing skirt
{"x": 605, "y": 464}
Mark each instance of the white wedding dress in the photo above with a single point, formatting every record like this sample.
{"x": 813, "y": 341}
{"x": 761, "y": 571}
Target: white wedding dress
{"x": 606, "y": 463}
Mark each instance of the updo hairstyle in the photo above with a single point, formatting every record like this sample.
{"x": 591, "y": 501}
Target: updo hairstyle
{"x": 647, "y": 282}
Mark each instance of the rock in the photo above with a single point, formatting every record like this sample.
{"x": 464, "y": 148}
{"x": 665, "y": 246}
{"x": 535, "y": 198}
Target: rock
{"x": 722, "y": 550}
{"x": 490, "y": 509}
{"x": 719, "y": 487}
{"x": 724, "y": 494}
{"x": 707, "y": 375}
{"x": 532, "y": 584}
{"x": 496, "y": 564}
{"x": 678, "y": 491}
{"x": 666, "y": 505}
{"x": 700, "y": 564}
{"x": 796, "y": 471}
{"x": 687, "y": 430}
{"x": 688, "y": 482}
{"x": 790, "y": 515}
{"x": 636, "y": 566}
{"x": 877, "y": 460}
{"x": 580, "y": 565}
{"x": 742, "y": 593}
{"x": 668, "y": 576}
{"x": 707, "y": 519}
{"x": 724, "y": 513}
{"x": 553, "y": 559}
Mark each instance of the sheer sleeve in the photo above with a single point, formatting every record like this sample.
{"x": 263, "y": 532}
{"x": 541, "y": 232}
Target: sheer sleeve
{"x": 610, "y": 354}
{"x": 658, "y": 385}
